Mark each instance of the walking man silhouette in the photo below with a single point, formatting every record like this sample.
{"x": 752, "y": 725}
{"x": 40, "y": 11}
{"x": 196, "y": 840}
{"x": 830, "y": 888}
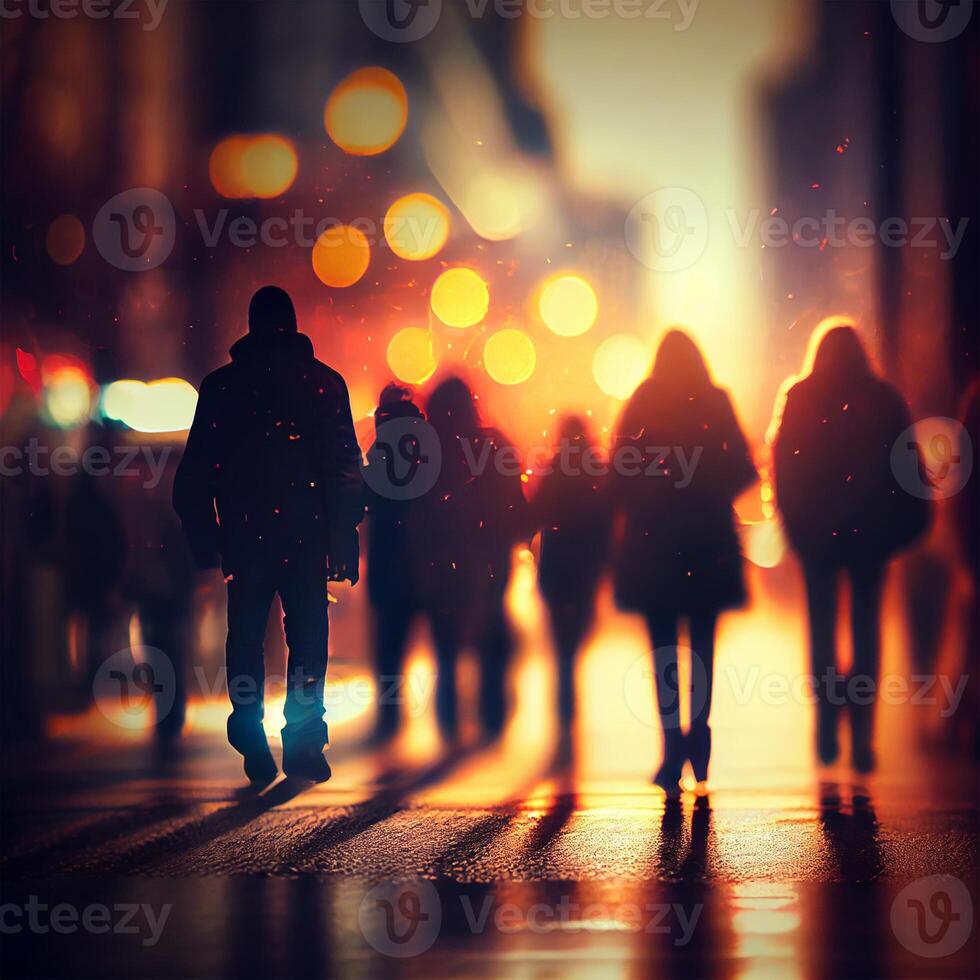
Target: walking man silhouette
{"x": 270, "y": 488}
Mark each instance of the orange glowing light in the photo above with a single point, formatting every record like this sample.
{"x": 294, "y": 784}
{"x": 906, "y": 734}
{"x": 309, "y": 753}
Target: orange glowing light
{"x": 411, "y": 356}
{"x": 568, "y": 305}
{"x": 367, "y": 112}
{"x": 416, "y": 226}
{"x": 268, "y": 166}
{"x": 509, "y": 357}
{"x": 225, "y": 167}
{"x": 619, "y": 365}
{"x": 253, "y": 166}
{"x": 67, "y": 396}
{"x": 341, "y": 256}
{"x": 460, "y": 298}
{"x": 65, "y": 239}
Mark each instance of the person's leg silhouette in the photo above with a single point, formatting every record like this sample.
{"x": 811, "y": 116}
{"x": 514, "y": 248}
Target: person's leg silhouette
{"x": 249, "y": 599}
{"x": 663, "y": 637}
{"x": 392, "y": 623}
{"x": 821, "y": 594}
{"x": 445, "y": 638}
{"x": 866, "y": 581}
{"x": 304, "y": 604}
{"x": 702, "y": 684}
{"x": 494, "y": 648}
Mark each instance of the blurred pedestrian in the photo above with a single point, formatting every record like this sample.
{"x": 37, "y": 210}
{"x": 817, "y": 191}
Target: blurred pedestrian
{"x": 391, "y": 586}
{"x": 845, "y": 513}
{"x": 571, "y": 510}
{"x": 270, "y": 487}
{"x": 680, "y": 460}
{"x": 463, "y": 532}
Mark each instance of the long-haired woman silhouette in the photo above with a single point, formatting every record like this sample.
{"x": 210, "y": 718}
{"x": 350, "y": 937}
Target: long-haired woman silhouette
{"x": 844, "y": 511}
{"x": 680, "y": 461}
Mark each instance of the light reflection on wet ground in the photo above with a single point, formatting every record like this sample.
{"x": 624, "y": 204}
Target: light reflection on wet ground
{"x": 790, "y": 872}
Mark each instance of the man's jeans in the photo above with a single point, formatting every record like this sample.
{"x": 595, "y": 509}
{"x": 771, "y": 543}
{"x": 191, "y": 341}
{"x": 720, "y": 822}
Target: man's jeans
{"x": 304, "y": 602}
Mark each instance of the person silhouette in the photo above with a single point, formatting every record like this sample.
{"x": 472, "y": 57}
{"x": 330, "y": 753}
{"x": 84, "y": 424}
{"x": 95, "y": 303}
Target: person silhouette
{"x": 680, "y": 460}
{"x": 571, "y": 511}
{"x": 269, "y": 487}
{"x": 462, "y": 533}
{"x": 391, "y": 586}
{"x": 844, "y": 512}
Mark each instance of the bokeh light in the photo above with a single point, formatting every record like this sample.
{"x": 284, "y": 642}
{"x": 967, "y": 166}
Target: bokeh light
{"x": 269, "y": 166}
{"x": 225, "y": 167}
{"x": 367, "y": 112}
{"x": 460, "y": 297}
{"x": 568, "y": 305}
{"x": 67, "y": 395}
{"x": 416, "y": 226}
{"x": 341, "y": 256}
{"x": 165, "y": 405}
{"x": 509, "y": 356}
{"x": 65, "y": 239}
{"x": 253, "y": 166}
{"x": 411, "y": 356}
{"x": 619, "y": 364}
{"x": 500, "y": 204}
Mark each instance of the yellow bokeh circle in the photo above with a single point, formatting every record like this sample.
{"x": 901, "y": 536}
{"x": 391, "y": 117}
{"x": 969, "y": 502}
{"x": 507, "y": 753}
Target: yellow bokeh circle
{"x": 367, "y": 112}
{"x": 509, "y": 356}
{"x": 416, "y": 226}
{"x": 411, "y": 356}
{"x": 460, "y": 297}
{"x": 568, "y": 305}
{"x": 341, "y": 256}
{"x": 619, "y": 364}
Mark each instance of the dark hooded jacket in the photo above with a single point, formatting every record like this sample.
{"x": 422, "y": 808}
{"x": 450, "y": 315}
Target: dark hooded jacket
{"x": 271, "y": 472}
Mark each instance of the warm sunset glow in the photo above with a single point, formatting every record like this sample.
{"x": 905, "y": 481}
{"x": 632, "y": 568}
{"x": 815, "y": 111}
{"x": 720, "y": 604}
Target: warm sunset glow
{"x": 341, "y": 256}
{"x": 410, "y": 355}
{"x": 65, "y": 239}
{"x": 620, "y": 363}
{"x": 460, "y": 298}
{"x": 568, "y": 306}
{"x": 269, "y": 166}
{"x": 509, "y": 357}
{"x": 416, "y": 226}
{"x": 367, "y": 112}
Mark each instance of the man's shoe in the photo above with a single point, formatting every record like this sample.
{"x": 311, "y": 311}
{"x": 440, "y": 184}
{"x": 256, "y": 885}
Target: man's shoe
{"x": 306, "y": 763}
{"x": 260, "y": 766}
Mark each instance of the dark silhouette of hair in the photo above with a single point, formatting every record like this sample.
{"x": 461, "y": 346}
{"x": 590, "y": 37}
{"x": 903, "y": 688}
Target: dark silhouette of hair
{"x": 271, "y": 312}
{"x": 452, "y": 410}
{"x": 680, "y": 365}
{"x": 395, "y": 402}
{"x": 574, "y": 428}
{"x": 840, "y": 357}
